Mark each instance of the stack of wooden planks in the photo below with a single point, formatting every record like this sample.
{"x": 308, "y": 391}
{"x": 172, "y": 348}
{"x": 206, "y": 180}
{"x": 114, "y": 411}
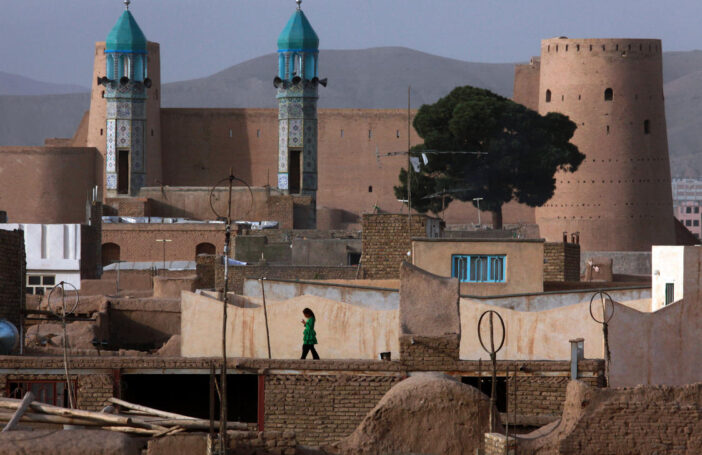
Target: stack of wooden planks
{"x": 132, "y": 418}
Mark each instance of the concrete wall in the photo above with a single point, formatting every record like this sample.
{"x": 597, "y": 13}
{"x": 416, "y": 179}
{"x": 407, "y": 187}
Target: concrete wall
{"x": 623, "y": 262}
{"x": 376, "y": 298}
{"x": 344, "y": 331}
{"x": 657, "y": 348}
{"x": 47, "y": 184}
{"x": 525, "y": 259}
{"x": 52, "y": 249}
{"x": 331, "y": 252}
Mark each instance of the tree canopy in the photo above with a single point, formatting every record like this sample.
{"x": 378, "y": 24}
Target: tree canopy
{"x": 478, "y": 144}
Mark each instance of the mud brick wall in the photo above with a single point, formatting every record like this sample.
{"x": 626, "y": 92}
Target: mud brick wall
{"x": 321, "y": 409}
{"x": 561, "y": 261}
{"x": 499, "y": 444}
{"x": 429, "y": 353}
{"x": 12, "y": 276}
{"x": 93, "y": 391}
{"x": 205, "y": 269}
{"x": 542, "y": 395}
{"x": 91, "y": 245}
{"x": 238, "y": 274}
{"x": 280, "y": 209}
{"x": 386, "y": 243}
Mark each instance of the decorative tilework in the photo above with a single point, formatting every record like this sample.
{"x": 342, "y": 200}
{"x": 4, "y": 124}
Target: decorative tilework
{"x": 309, "y": 181}
{"x": 124, "y": 133}
{"x": 111, "y": 109}
{"x": 139, "y": 110}
{"x": 295, "y": 133}
{"x": 124, "y": 110}
{"x": 283, "y": 181}
{"x": 111, "y": 181}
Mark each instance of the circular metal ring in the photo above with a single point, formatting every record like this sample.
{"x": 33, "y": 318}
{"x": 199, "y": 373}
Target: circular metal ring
{"x": 604, "y": 297}
{"x": 480, "y": 337}
{"x": 231, "y": 178}
{"x": 63, "y": 284}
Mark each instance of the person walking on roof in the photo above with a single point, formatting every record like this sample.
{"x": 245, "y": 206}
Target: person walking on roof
{"x": 309, "y": 336}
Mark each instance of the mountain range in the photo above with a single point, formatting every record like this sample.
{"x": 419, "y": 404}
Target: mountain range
{"x": 31, "y": 111}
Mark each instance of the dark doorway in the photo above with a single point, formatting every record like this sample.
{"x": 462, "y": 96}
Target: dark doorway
{"x": 294, "y": 172}
{"x": 485, "y": 386}
{"x": 123, "y": 172}
{"x": 189, "y": 394}
{"x": 205, "y": 248}
{"x": 110, "y": 253}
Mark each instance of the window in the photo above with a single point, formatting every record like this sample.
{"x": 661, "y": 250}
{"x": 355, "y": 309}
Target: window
{"x": 697, "y": 210}
{"x": 688, "y": 209}
{"x": 40, "y": 284}
{"x": 608, "y": 94}
{"x": 205, "y": 248}
{"x": 669, "y": 293}
{"x": 548, "y": 96}
{"x": 695, "y": 222}
{"x": 353, "y": 258}
{"x": 647, "y": 127}
{"x": 49, "y": 392}
{"x": 110, "y": 253}
{"x": 370, "y": 189}
{"x": 478, "y": 268}
{"x": 688, "y": 222}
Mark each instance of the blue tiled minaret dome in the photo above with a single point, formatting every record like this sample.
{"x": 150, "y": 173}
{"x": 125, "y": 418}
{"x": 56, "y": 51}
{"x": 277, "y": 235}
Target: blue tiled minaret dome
{"x": 125, "y": 84}
{"x": 297, "y": 83}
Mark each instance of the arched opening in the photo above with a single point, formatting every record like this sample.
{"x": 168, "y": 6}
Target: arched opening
{"x": 110, "y": 254}
{"x": 609, "y": 94}
{"x": 205, "y": 248}
{"x": 647, "y": 126}
{"x": 548, "y": 96}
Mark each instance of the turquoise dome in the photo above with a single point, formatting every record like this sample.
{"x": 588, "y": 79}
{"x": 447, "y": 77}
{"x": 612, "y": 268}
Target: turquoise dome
{"x": 298, "y": 33}
{"x": 126, "y": 36}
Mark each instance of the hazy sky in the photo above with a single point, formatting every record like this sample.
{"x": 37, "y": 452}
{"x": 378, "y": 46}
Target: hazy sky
{"x": 52, "y": 40}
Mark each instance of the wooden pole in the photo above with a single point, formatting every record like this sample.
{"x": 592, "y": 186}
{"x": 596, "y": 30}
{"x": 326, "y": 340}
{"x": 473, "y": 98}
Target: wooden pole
{"x": 23, "y": 406}
{"x": 265, "y": 315}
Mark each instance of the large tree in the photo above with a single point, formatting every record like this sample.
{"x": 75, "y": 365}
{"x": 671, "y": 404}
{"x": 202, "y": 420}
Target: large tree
{"x": 478, "y": 144}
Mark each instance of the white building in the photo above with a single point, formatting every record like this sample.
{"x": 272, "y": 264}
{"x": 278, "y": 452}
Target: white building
{"x": 676, "y": 272}
{"x": 53, "y": 254}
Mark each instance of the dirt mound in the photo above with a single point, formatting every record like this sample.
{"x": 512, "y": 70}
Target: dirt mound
{"x": 643, "y": 419}
{"x": 427, "y": 413}
{"x": 47, "y": 335}
{"x": 170, "y": 348}
{"x": 69, "y": 442}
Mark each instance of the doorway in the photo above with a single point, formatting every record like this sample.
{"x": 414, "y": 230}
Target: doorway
{"x": 294, "y": 171}
{"x": 123, "y": 172}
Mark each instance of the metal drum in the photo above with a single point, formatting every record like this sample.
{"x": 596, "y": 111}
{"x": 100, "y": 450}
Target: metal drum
{"x": 9, "y": 337}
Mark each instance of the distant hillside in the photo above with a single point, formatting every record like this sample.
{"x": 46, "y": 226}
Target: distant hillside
{"x": 14, "y": 84}
{"x": 368, "y": 78}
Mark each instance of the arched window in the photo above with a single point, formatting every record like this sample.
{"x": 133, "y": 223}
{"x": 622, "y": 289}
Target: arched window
{"x": 110, "y": 253}
{"x": 205, "y": 248}
{"x": 548, "y": 96}
{"x": 609, "y": 94}
{"x": 647, "y": 126}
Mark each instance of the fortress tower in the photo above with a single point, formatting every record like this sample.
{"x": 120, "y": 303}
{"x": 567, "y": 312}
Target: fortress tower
{"x": 620, "y": 198}
{"x": 297, "y": 83}
{"x": 124, "y": 123}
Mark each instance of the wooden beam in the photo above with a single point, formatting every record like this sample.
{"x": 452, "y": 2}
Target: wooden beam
{"x": 24, "y": 404}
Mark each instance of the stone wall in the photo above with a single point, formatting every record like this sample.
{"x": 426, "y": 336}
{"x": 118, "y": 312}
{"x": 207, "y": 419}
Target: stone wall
{"x": 238, "y": 274}
{"x": 321, "y": 409}
{"x": 93, "y": 391}
{"x": 429, "y": 353}
{"x": 12, "y": 276}
{"x": 542, "y": 395}
{"x": 561, "y": 261}
{"x": 386, "y": 242}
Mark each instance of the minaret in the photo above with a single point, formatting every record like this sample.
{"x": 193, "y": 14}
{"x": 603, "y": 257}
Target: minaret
{"x": 125, "y": 85}
{"x": 297, "y": 83}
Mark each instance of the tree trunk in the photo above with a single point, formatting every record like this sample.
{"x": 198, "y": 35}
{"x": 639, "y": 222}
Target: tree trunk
{"x": 497, "y": 218}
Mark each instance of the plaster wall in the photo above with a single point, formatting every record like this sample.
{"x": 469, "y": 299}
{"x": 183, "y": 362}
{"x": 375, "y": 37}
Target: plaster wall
{"x": 53, "y": 249}
{"x": 344, "y": 331}
{"x": 47, "y": 184}
{"x": 525, "y": 259}
{"x": 333, "y": 252}
{"x": 537, "y": 335}
{"x": 679, "y": 265}
{"x": 526, "y": 83}
{"x": 657, "y": 348}
{"x": 376, "y": 298}
{"x": 620, "y": 198}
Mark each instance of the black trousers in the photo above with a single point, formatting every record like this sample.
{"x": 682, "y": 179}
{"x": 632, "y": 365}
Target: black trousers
{"x": 309, "y": 348}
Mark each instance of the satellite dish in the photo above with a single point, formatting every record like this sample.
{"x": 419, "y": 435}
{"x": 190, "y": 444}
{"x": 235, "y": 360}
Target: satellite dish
{"x": 147, "y": 83}
{"x": 9, "y": 337}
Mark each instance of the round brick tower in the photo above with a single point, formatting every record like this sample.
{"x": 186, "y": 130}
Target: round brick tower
{"x": 620, "y": 198}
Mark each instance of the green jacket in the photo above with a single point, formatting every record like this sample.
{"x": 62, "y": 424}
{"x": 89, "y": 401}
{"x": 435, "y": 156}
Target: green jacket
{"x": 309, "y": 336}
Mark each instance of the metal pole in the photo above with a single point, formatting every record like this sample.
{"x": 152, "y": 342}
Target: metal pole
{"x": 118, "y": 261}
{"x": 409, "y": 168}
{"x": 212, "y": 403}
{"x": 225, "y": 302}
{"x": 493, "y": 387}
{"x": 265, "y": 315}
{"x": 65, "y": 345}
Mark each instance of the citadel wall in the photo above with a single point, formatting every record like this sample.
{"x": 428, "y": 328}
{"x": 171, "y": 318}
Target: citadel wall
{"x": 620, "y": 197}
{"x": 47, "y": 184}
